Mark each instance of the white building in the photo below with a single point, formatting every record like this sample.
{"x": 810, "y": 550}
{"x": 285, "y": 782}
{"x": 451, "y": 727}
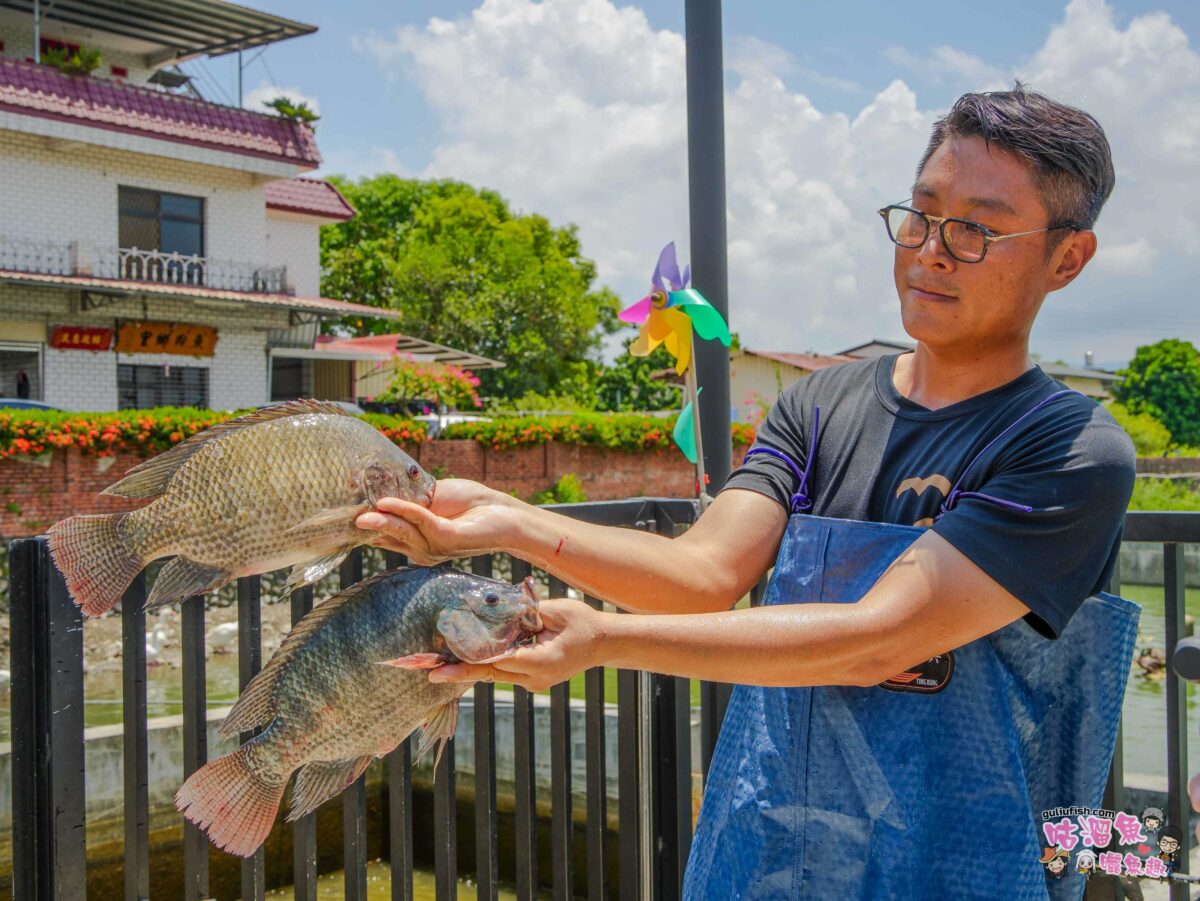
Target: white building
{"x": 155, "y": 248}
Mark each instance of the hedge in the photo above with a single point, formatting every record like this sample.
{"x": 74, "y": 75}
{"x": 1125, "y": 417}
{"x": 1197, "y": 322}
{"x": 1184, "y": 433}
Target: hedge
{"x": 31, "y": 433}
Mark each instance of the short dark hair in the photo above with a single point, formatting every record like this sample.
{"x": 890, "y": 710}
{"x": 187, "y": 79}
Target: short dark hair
{"x": 1071, "y": 158}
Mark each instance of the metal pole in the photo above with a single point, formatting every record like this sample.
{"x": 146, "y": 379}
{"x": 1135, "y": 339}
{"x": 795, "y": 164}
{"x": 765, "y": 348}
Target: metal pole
{"x": 239, "y": 77}
{"x": 37, "y": 31}
{"x": 693, "y": 393}
{"x": 706, "y": 198}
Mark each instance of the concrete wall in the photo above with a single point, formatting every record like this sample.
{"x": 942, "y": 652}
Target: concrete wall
{"x": 66, "y": 192}
{"x": 87, "y": 380}
{"x": 294, "y": 241}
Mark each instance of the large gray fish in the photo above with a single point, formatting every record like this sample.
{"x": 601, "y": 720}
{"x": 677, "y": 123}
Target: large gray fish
{"x": 328, "y": 706}
{"x": 278, "y": 487}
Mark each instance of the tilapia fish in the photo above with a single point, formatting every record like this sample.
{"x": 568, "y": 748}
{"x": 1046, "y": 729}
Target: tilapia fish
{"x": 278, "y": 487}
{"x": 328, "y": 705}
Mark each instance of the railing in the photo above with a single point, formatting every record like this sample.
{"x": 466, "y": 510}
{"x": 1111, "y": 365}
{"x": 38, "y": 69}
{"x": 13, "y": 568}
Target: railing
{"x": 654, "y": 752}
{"x": 82, "y": 259}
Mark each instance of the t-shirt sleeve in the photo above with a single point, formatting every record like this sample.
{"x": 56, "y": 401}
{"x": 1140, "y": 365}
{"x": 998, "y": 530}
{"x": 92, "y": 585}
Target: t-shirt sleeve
{"x": 1077, "y": 474}
{"x": 783, "y": 430}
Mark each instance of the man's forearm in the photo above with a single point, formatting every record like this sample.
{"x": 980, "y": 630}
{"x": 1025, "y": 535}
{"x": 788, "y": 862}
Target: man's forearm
{"x": 788, "y": 646}
{"x": 637, "y": 571}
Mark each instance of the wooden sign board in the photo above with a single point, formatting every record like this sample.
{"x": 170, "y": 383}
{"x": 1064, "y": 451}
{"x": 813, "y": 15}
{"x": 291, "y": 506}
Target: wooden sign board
{"x": 166, "y": 338}
{"x": 80, "y": 337}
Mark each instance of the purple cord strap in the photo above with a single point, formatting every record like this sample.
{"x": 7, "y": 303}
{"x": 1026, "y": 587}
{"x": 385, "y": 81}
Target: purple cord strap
{"x": 800, "y": 501}
{"x": 956, "y": 495}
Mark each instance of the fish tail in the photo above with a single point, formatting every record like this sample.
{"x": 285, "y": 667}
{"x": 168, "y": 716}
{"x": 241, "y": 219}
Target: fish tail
{"x": 232, "y": 801}
{"x": 96, "y": 559}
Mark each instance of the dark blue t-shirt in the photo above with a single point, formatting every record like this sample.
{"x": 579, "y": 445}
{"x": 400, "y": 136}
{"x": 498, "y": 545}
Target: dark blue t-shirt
{"x": 883, "y": 458}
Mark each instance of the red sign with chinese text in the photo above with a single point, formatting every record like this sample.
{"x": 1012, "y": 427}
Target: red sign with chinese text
{"x": 80, "y": 337}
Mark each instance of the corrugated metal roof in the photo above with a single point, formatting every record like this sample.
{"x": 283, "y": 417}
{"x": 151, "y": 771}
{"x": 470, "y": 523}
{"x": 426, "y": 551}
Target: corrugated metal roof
{"x": 402, "y": 344}
{"x": 323, "y": 305}
{"x": 809, "y": 362}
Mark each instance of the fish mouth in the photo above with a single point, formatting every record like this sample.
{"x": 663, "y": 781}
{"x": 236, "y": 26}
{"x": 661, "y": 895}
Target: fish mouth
{"x": 531, "y": 621}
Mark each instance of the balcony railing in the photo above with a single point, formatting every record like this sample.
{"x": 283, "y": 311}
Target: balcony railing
{"x": 81, "y": 258}
{"x": 579, "y": 832}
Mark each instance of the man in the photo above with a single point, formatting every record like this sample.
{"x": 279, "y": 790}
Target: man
{"x": 903, "y": 712}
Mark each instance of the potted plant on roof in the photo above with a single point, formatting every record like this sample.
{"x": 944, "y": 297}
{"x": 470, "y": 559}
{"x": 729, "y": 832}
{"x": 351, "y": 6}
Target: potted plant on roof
{"x": 294, "y": 110}
{"x": 80, "y": 61}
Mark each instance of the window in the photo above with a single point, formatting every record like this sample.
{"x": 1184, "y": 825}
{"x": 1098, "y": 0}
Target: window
{"x": 288, "y": 378}
{"x": 21, "y": 370}
{"x": 167, "y": 223}
{"x": 139, "y": 387}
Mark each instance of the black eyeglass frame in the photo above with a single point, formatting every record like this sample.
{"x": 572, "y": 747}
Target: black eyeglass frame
{"x": 989, "y": 236}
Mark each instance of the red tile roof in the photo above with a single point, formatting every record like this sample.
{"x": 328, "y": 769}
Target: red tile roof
{"x": 810, "y": 362}
{"x": 311, "y": 196}
{"x": 130, "y": 286}
{"x": 43, "y": 91}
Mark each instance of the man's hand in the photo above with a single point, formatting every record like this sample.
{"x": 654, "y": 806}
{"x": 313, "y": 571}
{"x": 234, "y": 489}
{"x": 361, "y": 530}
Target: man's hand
{"x": 571, "y": 640}
{"x": 465, "y": 519}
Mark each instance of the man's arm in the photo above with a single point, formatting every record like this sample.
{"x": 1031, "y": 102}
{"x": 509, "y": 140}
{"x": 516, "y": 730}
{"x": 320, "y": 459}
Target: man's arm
{"x": 707, "y": 568}
{"x": 931, "y": 600}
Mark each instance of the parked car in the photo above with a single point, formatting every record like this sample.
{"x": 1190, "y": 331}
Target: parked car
{"x": 24, "y": 403}
{"x": 435, "y": 422}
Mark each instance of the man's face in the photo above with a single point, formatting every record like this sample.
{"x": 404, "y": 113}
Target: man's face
{"x": 1168, "y": 845}
{"x": 1057, "y": 865}
{"x": 949, "y": 304}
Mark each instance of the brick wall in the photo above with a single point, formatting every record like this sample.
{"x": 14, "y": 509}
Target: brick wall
{"x": 1168, "y": 465}
{"x": 295, "y": 241}
{"x": 32, "y": 496}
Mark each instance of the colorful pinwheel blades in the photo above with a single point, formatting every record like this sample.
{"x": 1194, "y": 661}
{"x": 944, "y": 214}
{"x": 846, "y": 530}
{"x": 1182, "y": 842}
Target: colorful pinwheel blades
{"x": 669, "y": 313}
{"x": 685, "y": 432}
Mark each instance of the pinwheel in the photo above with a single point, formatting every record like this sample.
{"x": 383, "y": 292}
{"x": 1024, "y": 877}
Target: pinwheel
{"x": 671, "y": 315}
{"x": 670, "y": 312}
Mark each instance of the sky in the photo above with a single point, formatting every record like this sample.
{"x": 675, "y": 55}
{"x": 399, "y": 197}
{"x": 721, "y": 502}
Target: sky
{"x": 576, "y": 109}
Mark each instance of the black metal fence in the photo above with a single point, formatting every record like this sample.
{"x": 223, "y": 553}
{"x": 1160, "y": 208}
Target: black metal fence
{"x": 654, "y": 751}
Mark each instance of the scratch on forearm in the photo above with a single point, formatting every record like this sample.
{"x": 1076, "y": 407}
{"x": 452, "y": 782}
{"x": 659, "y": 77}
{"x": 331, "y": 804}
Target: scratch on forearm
{"x": 561, "y": 542}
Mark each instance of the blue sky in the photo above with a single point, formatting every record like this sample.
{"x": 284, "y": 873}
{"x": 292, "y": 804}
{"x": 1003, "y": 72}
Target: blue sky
{"x": 827, "y": 105}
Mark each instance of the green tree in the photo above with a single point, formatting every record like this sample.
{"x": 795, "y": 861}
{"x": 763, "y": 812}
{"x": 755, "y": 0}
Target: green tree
{"x": 627, "y": 383}
{"x": 1163, "y": 380}
{"x": 1150, "y": 437}
{"x": 462, "y": 269}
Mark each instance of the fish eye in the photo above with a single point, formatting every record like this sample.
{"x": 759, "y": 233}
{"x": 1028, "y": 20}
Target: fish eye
{"x": 492, "y": 600}
{"x": 413, "y": 470}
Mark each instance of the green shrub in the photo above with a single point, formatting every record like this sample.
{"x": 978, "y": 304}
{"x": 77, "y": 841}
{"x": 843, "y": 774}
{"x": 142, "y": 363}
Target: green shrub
{"x": 566, "y": 491}
{"x": 1163, "y": 494}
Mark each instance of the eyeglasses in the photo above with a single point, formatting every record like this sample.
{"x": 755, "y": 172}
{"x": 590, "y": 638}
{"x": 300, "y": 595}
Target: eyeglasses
{"x": 964, "y": 240}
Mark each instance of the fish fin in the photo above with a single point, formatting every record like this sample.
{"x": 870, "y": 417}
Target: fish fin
{"x": 183, "y": 578}
{"x": 416, "y": 661}
{"x": 150, "y": 479}
{"x": 306, "y": 573}
{"x": 232, "y": 802}
{"x": 335, "y": 516}
{"x": 256, "y": 705}
{"x": 96, "y": 560}
{"x": 438, "y": 729}
{"x": 321, "y": 780}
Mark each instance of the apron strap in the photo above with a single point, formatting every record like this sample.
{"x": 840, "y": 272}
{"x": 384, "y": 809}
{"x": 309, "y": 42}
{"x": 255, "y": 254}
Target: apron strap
{"x": 956, "y": 494}
{"x": 800, "y": 501}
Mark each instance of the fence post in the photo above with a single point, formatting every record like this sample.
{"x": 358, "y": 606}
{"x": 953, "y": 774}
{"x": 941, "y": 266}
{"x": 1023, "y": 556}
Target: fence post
{"x": 49, "y": 853}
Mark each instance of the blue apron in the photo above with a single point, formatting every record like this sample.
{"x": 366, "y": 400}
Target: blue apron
{"x": 931, "y": 792}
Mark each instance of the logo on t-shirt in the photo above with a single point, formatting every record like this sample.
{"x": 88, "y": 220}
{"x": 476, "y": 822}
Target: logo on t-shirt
{"x": 918, "y": 484}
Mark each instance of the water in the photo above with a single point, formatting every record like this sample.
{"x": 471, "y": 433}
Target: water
{"x": 379, "y": 886}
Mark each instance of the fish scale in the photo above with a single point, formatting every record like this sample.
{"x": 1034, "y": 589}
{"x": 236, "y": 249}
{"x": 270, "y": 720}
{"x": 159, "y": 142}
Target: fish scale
{"x": 276, "y": 488}
{"x": 327, "y": 706}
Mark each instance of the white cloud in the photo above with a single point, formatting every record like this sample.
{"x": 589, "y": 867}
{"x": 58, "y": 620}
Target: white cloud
{"x": 258, "y": 98}
{"x": 577, "y": 109}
